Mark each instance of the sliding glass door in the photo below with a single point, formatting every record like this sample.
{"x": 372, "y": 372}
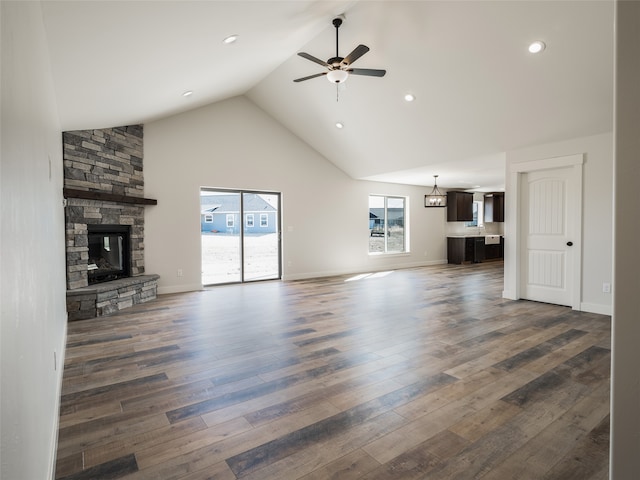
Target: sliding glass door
{"x": 261, "y": 240}
{"x": 240, "y": 236}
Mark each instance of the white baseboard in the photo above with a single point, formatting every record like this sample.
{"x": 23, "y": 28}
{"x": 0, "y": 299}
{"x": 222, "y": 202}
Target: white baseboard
{"x": 335, "y": 273}
{"x": 509, "y": 295}
{"x": 596, "y": 308}
{"x": 584, "y": 306}
{"x": 179, "y": 289}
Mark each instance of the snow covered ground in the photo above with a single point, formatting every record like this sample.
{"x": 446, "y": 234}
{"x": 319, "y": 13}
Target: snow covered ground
{"x": 221, "y": 257}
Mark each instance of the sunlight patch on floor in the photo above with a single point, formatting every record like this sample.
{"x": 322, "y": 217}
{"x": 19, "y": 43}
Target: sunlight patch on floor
{"x": 362, "y": 276}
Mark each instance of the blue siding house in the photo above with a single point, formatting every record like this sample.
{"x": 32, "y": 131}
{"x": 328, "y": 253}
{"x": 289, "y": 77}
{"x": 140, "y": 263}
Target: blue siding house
{"x": 221, "y": 214}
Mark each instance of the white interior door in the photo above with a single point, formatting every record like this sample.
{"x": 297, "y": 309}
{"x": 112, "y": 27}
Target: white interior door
{"x": 548, "y": 233}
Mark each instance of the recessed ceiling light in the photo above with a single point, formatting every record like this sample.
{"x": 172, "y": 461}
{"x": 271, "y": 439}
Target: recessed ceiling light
{"x": 409, "y": 97}
{"x": 339, "y": 125}
{"x": 230, "y": 39}
{"x": 188, "y": 93}
{"x": 537, "y": 47}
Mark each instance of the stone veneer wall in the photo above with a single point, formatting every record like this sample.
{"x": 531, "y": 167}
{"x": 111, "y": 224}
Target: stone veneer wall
{"x": 108, "y": 161}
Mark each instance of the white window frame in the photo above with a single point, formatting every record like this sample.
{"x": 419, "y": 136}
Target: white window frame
{"x": 264, "y": 220}
{"x": 231, "y": 220}
{"x": 480, "y": 215}
{"x": 249, "y": 220}
{"x": 208, "y": 218}
{"x": 386, "y": 233}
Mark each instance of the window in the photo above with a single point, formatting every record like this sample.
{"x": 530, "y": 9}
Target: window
{"x": 231, "y": 221}
{"x": 387, "y": 224}
{"x": 478, "y": 215}
{"x": 249, "y": 220}
{"x": 264, "y": 220}
{"x": 208, "y": 218}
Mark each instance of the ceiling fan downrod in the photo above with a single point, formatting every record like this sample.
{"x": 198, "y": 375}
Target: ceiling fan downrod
{"x": 336, "y": 23}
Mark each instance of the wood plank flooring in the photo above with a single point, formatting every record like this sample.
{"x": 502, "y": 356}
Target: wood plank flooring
{"x": 423, "y": 373}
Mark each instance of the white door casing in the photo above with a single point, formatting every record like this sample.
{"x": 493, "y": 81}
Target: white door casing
{"x": 548, "y": 193}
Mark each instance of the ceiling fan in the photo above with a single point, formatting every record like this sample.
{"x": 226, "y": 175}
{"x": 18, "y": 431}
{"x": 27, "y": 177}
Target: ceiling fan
{"x": 339, "y": 68}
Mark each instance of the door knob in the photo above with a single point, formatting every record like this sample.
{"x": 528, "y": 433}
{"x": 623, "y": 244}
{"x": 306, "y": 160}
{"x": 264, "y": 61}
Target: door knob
{"x": 569, "y": 244}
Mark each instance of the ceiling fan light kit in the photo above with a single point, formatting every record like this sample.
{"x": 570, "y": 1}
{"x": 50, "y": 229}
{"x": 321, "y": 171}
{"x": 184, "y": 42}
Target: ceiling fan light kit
{"x": 339, "y": 68}
{"x": 436, "y": 198}
{"x": 337, "y": 76}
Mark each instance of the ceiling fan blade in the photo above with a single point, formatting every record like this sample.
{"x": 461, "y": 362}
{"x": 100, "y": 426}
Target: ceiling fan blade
{"x": 369, "y": 72}
{"x": 310, "y": 76}
{"x": 313, "y": 59}
{"x": 356, "y": 54}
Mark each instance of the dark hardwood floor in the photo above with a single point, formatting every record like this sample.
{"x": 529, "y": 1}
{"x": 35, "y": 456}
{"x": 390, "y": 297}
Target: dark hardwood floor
{"x": 423, "y": 373}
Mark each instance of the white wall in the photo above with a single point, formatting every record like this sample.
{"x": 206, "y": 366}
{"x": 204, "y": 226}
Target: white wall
{"x": 597, "y": 210}
{"x": 33, "y": 309}
{"x": 234, "y": 144}
{"x": 625, "y": 374}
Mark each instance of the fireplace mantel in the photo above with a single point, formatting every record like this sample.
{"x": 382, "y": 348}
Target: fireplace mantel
{"x": 107, "y": 197}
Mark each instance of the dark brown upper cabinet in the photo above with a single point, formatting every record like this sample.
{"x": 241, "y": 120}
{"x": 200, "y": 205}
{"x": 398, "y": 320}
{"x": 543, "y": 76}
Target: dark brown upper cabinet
{"x": 459, "y": 206}
{"x": 494, "y": 207}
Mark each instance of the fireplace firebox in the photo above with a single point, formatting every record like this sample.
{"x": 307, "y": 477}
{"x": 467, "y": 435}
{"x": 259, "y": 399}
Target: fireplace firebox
{"x": 109, "y": 253}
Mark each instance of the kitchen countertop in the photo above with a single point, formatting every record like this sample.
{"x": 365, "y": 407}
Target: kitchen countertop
{"x": 474, "y": 236}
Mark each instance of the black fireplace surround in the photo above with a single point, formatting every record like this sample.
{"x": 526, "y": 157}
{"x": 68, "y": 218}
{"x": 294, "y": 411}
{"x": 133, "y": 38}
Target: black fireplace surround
{"x": 109, "y": 253}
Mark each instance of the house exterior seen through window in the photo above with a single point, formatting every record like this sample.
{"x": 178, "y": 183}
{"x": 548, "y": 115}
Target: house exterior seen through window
{"x": 264, "y": 220}
{"x": 387, "y": 217}
{"x": 231, "y": 220}
{"x": 249, "y": 220}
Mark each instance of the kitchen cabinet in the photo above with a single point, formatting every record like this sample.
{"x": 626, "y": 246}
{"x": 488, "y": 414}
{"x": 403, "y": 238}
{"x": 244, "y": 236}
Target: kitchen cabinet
{"x": 494, "y": 251}
{"x": 494, "y": 207}
{"x": 472, "y": 249}
{"x": 459, "y": 206}
{"x": 456, "y": 250}
{"x": 465, "y": 249}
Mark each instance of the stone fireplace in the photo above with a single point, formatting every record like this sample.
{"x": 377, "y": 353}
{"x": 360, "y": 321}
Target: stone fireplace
{"x": 104, "y": 214}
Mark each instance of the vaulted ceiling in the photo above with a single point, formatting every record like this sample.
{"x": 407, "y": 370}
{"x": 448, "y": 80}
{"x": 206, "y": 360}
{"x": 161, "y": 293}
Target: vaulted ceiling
{"x": 478, "y": 91}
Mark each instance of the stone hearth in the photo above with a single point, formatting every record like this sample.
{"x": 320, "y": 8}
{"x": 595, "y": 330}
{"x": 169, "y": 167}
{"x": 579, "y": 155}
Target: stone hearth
{"x": 110, "y": 297}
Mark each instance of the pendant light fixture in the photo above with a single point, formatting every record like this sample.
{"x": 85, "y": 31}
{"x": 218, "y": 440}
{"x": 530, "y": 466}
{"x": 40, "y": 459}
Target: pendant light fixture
{"x": 436, "y": 198}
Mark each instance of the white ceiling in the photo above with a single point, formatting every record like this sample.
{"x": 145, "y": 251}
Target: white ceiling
{"x": 479, "y": 92}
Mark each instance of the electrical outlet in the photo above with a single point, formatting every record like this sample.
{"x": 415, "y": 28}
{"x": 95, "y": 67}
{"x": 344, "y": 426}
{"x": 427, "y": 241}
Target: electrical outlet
{"x": 180, "y": 273}
{"x": 606, "y": 287}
